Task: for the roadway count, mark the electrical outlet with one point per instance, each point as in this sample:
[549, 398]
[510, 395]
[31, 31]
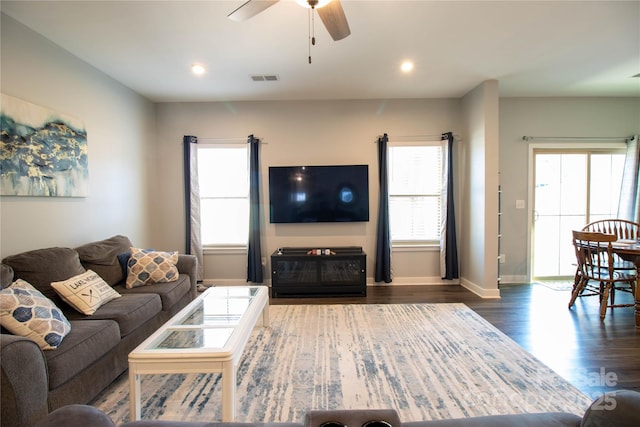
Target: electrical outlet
[264, 261]
[519, 204]
[503, 258]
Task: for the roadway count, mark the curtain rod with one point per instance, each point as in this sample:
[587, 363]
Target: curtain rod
[435, 137]
[237, 140]
[576, 138]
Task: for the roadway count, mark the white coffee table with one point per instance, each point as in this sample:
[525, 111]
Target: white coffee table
[208, 335]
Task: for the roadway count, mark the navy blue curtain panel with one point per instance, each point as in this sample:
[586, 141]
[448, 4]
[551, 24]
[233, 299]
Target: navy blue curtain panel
[254, 253]
[383, 234]
[451, 245]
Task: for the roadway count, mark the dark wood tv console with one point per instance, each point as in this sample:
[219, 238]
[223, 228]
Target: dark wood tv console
[298, 272]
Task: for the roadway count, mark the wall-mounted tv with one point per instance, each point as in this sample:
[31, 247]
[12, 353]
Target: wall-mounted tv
[301, 194]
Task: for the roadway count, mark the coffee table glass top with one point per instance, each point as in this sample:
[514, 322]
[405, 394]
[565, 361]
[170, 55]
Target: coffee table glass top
[207, 323]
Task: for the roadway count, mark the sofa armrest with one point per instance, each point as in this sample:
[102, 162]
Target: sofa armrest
[188, 264]
[77, 416]
[620, 408]
[24, 381]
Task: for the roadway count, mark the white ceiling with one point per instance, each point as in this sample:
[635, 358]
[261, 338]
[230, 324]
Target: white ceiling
[541, 48]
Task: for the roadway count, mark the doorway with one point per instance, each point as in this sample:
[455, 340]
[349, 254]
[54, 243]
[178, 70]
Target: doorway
[571, 187]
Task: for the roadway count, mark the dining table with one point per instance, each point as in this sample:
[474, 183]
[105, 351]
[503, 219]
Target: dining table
[629, 250]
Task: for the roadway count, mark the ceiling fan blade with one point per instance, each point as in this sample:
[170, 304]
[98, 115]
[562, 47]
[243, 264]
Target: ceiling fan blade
[249, 9]
[334, 20]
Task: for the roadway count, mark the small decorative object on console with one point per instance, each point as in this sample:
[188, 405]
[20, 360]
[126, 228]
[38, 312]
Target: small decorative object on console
[313, 252]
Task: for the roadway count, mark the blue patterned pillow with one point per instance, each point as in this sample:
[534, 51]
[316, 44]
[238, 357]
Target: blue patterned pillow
[146, 267]
[26, 312]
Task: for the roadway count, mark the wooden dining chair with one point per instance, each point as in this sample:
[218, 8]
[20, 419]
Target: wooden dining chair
[622, 229]
[594, 254]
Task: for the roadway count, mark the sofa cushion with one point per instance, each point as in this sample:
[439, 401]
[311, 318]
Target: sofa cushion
[148, 267]
[547, 419]
[129, 311]
[85, 292]
[170, 292]
[102, 257]
[6, 275]
[40, 267]
[26, 312]
[87, 342]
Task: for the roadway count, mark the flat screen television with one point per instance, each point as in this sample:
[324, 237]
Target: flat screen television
[302, 194]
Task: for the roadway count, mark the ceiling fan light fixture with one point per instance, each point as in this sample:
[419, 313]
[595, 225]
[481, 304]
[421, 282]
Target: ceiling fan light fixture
[318, 3]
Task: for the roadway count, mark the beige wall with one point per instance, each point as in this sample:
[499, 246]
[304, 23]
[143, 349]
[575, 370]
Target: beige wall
[546, 117]
[120, 128]
[303, 132]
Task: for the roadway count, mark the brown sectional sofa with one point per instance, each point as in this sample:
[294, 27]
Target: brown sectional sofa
[94, 353]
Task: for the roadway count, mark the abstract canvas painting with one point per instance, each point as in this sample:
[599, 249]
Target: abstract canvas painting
[42, 152]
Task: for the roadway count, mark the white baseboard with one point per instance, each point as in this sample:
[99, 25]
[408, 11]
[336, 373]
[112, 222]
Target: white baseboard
[407, 281]
[514, 279]
[479, 290]
[414, 281]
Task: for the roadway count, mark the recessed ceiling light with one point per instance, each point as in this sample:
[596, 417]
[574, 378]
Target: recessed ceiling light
[198, 69]
[406, 66]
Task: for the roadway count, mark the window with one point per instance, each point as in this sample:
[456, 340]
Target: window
[223, 177]
[415, 175]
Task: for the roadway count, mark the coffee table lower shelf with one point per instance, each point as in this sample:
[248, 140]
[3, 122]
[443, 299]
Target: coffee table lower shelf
[190, 366]
[148, 358]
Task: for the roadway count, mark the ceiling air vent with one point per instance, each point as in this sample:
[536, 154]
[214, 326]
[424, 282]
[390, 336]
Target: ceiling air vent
[264, 77]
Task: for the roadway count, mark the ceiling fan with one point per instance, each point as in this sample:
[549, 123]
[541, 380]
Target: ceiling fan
[331, 14]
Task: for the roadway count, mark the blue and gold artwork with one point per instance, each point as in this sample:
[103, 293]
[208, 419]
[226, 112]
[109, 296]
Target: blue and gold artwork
[43, 153]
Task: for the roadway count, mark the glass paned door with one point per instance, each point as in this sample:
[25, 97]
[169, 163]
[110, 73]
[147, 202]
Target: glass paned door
[559, 208]
[571, 189]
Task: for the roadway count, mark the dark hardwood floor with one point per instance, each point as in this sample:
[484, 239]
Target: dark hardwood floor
[594, 356]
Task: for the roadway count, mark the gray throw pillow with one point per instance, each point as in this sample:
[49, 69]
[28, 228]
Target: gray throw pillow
[40, 267]
[102, 257]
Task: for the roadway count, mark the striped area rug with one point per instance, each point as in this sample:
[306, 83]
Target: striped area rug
[427, 361]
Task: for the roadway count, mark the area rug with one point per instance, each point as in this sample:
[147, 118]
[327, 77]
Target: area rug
[427, 361]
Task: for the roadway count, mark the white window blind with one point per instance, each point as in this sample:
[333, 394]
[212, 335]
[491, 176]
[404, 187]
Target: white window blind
[415, 174]
[223, 176]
